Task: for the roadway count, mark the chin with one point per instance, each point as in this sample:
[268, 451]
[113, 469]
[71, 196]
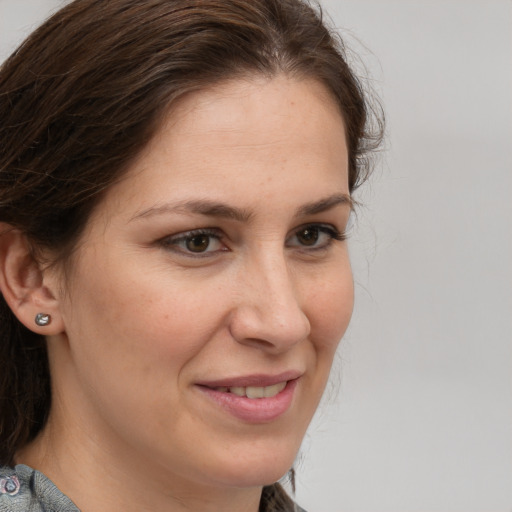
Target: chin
[255, 477]
[252, 470]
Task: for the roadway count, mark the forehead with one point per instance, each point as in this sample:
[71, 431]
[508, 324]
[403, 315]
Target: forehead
[256, 111]
[244, 137]
[255, 98]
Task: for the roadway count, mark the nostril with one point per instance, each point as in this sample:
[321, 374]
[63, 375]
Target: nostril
[269, 329]
[268, 312]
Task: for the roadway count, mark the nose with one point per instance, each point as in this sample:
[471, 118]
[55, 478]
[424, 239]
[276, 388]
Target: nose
[269, 313]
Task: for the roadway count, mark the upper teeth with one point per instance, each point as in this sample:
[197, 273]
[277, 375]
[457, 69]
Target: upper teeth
[254, 391]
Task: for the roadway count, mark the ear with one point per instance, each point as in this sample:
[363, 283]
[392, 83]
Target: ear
[26, 287]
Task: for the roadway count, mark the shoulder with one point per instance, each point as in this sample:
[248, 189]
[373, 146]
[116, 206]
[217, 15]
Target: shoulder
[23, 489]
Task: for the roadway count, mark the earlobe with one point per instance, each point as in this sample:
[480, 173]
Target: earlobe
[24, 284]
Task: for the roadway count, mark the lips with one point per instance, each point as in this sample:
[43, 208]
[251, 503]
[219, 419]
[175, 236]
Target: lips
[255, 398]
[256, 380]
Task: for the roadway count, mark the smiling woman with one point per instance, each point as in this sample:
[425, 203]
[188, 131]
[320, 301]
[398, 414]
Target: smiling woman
[176, 183]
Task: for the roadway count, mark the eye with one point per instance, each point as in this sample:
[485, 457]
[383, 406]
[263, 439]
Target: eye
[195, 243]
[308, 236]
[315, 236]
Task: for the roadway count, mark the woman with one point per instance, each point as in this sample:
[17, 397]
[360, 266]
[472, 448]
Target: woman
[176, 181]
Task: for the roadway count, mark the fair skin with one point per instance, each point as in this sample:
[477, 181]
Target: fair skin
[153, 325]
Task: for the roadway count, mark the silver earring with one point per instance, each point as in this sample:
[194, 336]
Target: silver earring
[42, 319]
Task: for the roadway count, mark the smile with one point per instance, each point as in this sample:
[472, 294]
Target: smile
[252, 403]
[254, 391]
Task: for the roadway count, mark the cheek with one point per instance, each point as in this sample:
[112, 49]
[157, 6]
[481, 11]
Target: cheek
[130, 322]
[132, 342]
[330, 309]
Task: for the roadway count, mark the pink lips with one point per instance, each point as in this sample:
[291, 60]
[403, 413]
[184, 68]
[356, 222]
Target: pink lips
[252, 410]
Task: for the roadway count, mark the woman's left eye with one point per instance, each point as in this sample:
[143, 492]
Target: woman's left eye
[195, 243]
[315, 236]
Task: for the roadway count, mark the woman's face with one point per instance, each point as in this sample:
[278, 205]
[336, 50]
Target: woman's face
[211, 287]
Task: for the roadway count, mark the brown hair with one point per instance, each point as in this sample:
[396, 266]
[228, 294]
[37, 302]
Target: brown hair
[85, 93]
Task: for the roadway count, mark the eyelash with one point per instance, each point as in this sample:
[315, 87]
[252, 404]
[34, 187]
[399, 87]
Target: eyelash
[172, 242]
[331, 231]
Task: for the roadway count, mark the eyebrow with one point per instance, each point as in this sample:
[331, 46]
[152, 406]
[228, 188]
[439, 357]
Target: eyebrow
[210, 208]
[199, 206]
[325, 204]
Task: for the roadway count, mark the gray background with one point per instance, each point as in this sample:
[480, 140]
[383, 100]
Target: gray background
[418, 417]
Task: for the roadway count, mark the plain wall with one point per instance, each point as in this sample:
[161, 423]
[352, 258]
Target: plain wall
[418, 416]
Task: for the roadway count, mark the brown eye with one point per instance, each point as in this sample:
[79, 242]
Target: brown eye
[198, 243]
[314, 237]
[308, 236]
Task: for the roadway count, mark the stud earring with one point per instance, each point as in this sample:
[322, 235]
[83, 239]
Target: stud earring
[42, 319]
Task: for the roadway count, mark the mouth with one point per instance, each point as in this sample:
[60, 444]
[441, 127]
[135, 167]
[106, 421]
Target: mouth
[253, 399]
[253, 392]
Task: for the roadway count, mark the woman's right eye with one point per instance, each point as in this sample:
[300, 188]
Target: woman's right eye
[195, 243]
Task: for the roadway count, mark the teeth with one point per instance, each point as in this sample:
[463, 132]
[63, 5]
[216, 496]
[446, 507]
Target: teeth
[237, 391]
[254, 391]
[274, 390]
